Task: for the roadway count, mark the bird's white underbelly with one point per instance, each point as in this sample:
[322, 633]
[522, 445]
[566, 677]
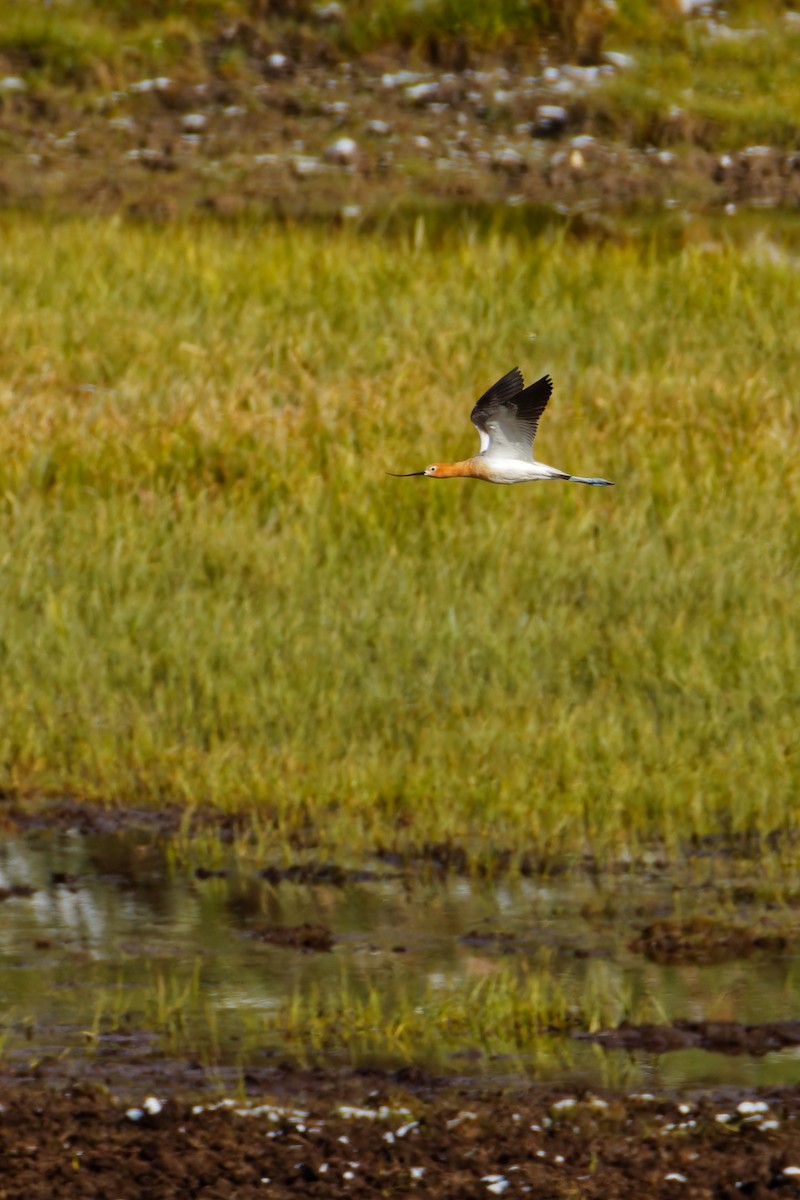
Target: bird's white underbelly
[514, 470]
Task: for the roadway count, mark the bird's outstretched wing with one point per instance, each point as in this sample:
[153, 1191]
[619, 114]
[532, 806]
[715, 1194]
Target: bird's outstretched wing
[507, 416]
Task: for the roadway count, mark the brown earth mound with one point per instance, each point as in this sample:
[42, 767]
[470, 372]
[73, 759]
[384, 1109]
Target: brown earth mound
[703, 940]
[722, 1037]
[299, 937]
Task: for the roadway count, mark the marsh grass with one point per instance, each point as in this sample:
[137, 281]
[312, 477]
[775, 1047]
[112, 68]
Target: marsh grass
[691, 87]
[526, 1010]
[213, 594]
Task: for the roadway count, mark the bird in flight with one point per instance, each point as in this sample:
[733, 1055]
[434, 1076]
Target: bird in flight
[506, 418]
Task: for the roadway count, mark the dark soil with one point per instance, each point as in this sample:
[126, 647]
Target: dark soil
[322, 873]
[723, 1037]
[368, 1134]
[298, 937]
[704, 940]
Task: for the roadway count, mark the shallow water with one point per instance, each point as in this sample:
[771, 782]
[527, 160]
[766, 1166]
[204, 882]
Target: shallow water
[112, 938]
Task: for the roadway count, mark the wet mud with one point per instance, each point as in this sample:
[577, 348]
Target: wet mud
[704, 940]
[721, 1037]
[369, 1134]
[311, 938]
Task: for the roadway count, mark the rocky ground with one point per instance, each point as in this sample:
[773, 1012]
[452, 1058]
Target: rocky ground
[355, 139]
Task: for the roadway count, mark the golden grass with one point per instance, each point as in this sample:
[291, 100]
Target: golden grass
[213, 594]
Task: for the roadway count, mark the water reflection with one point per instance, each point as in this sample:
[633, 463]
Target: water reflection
[111, 934]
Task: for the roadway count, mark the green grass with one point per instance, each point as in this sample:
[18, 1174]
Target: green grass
[212, 593]
[690, 87]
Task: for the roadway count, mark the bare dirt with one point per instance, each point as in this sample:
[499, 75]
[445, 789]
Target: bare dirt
[367, 1134]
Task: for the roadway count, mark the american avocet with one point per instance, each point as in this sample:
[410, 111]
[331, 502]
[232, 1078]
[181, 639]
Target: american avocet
[506, 418]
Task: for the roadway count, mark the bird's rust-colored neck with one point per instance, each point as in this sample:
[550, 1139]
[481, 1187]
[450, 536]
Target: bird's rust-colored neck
[467, 469]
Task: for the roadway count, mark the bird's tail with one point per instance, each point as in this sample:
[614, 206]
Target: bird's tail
[591, 482]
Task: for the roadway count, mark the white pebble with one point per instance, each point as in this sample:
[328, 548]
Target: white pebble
[550, 117]
[194, 121]
[790, 1171]
[152, 1106]
[305, 164]
[420, 93]
[674, 1177]
[622, 62]
[343, 151]
[329, 12]
[12, 83]
[509, 159]
[399, 79]
[151, 85]
[746, 1107]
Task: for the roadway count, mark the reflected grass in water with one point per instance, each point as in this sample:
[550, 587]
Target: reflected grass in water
[460, 978]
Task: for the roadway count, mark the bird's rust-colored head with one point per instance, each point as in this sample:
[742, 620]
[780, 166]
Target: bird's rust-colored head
[454, 470]
[439, 471]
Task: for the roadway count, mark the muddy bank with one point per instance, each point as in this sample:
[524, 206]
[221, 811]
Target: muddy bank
[355, 140]
[29, 814]
[721, 1037]
[369, 1135]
